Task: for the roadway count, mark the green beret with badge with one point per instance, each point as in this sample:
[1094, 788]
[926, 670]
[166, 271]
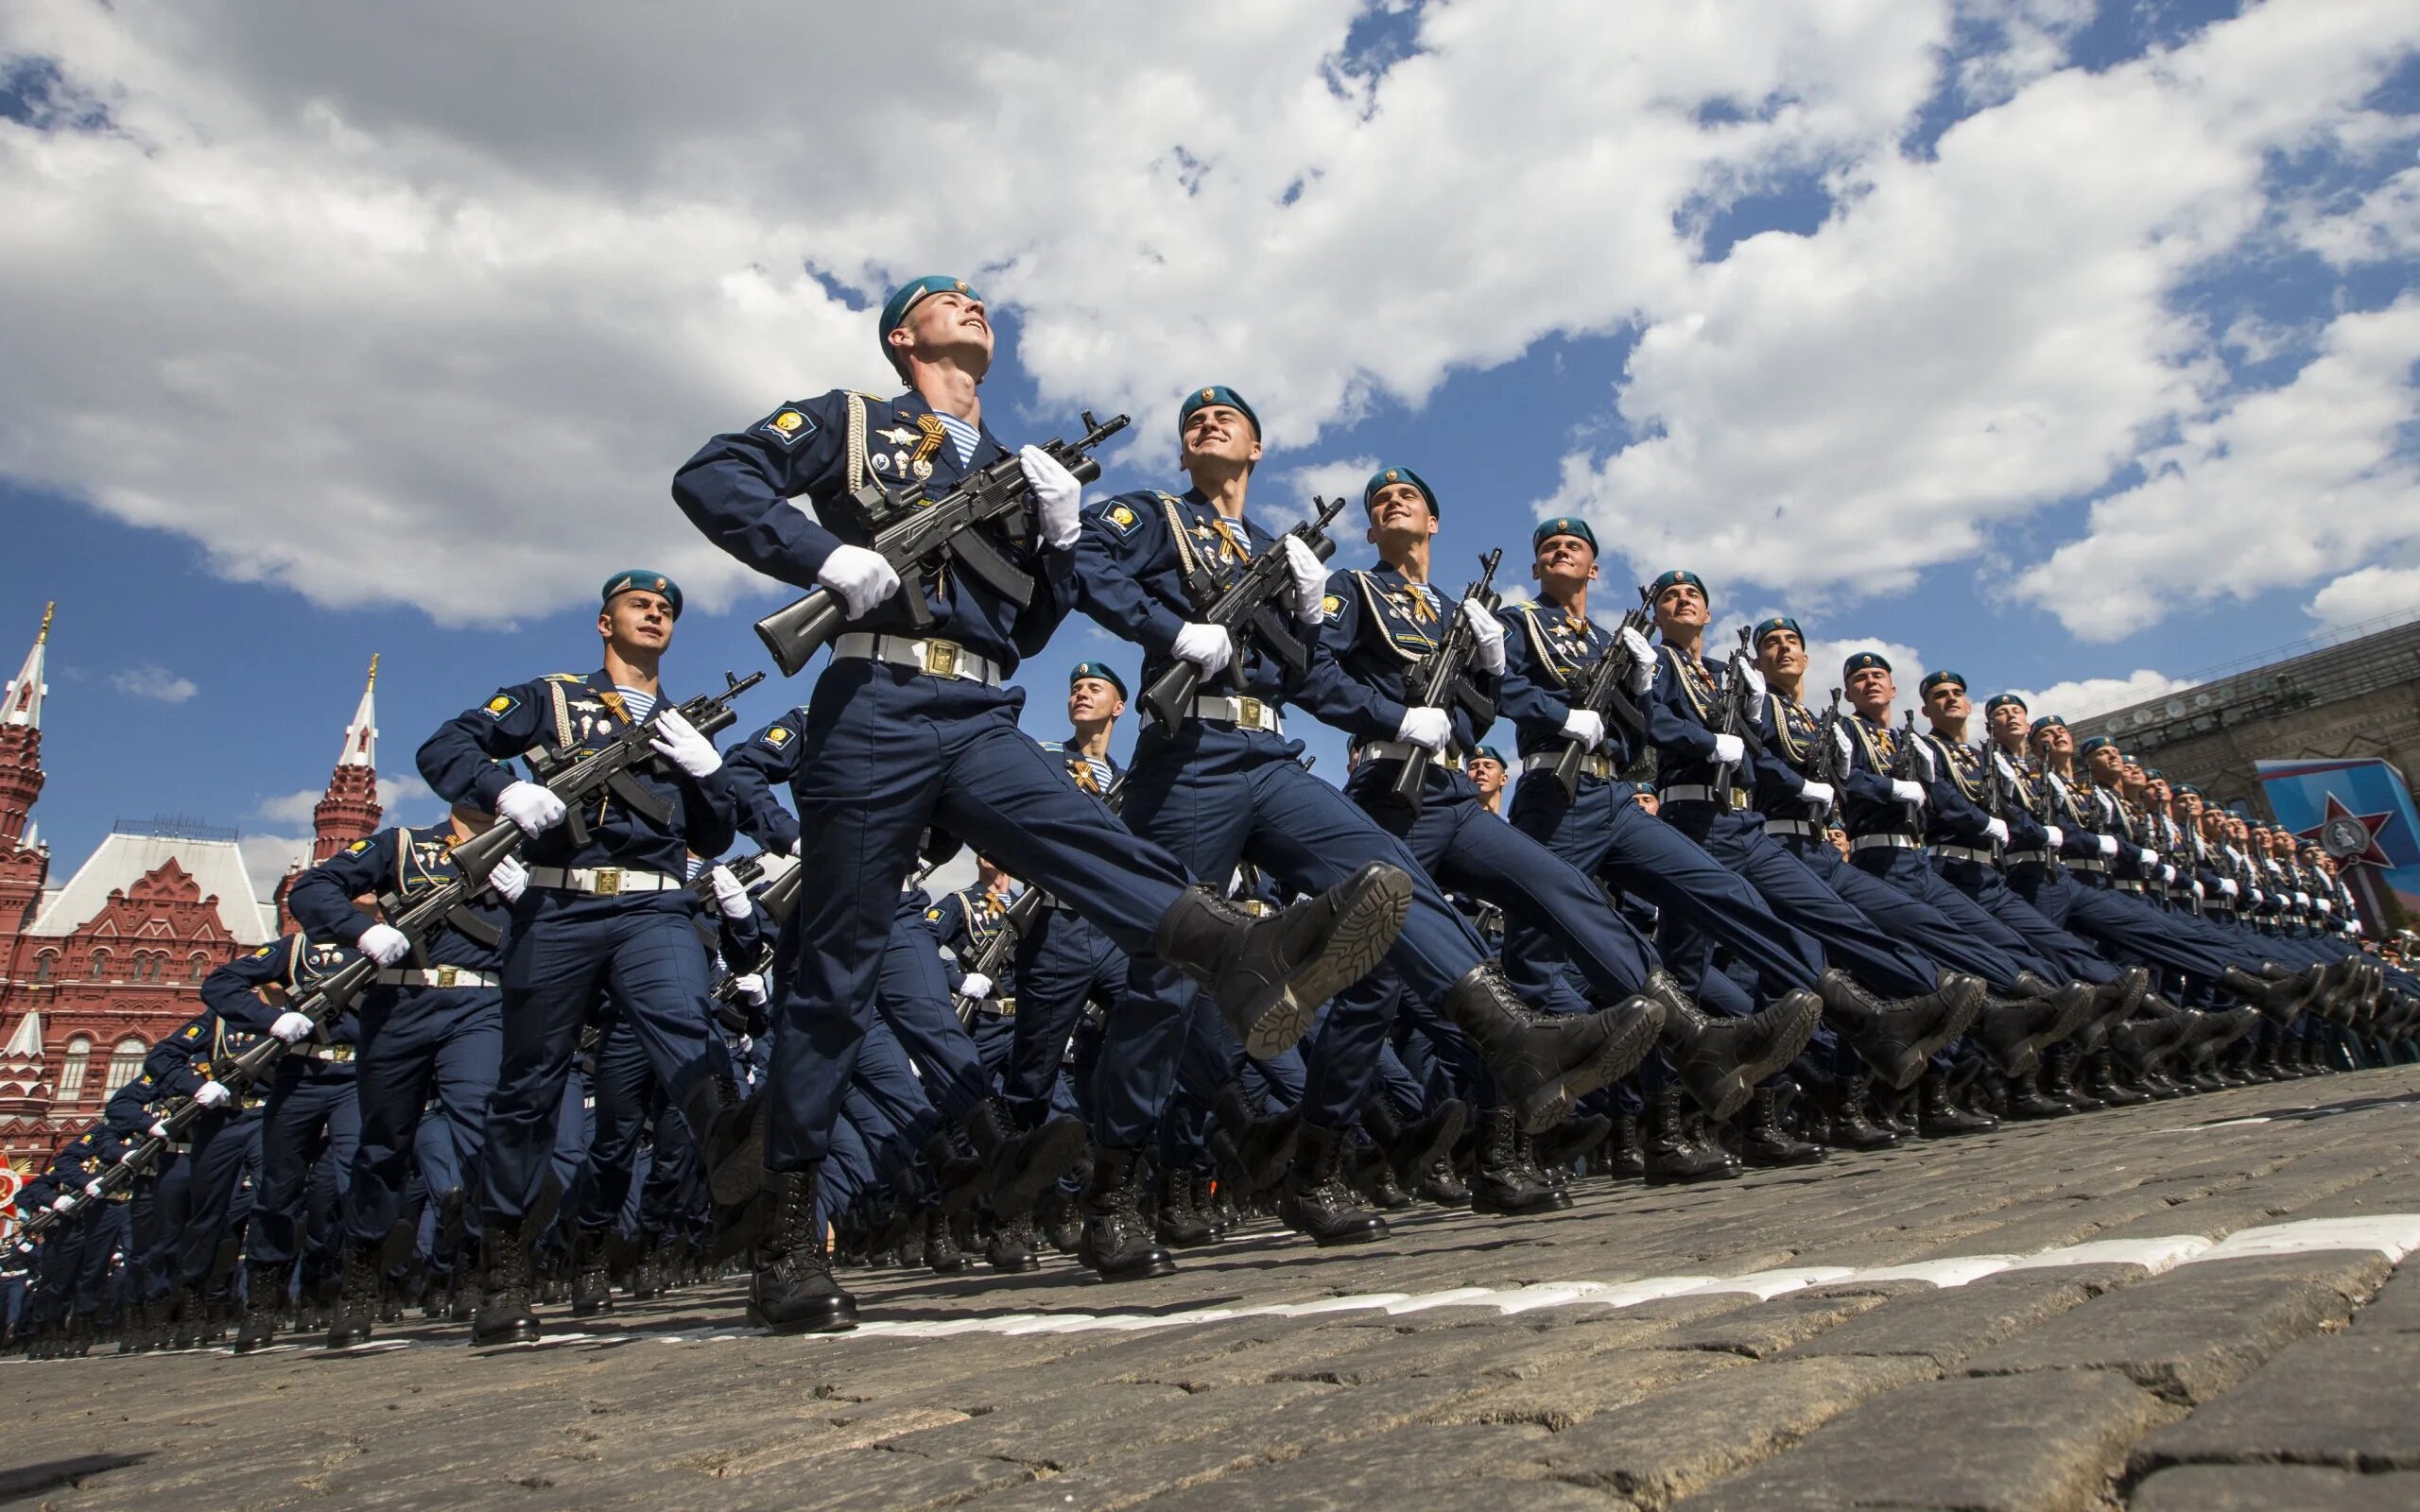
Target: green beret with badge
[642, 580]
[1386, 476]
[1563, 525]
[1216, 394]
[1096, 669]
[910, 294]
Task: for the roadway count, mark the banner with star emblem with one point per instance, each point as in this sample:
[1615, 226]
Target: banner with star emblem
[2360, 812]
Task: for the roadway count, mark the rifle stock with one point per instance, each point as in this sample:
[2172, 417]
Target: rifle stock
[1445, 667]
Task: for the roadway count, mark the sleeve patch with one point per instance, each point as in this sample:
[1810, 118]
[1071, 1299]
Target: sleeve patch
[787, 426]
[1122, 518]
[1331, 605]
[777, 737]
[358, 846]
[501, 705]
[932, 916]
[263, 950]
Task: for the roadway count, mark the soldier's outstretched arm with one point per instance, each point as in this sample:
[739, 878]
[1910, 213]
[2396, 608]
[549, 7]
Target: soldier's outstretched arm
[737, 488]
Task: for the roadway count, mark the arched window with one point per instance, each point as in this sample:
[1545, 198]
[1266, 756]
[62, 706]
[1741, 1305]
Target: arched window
[197, 967]
[100, 964]
[126, 1062]
[42, 965]
[71, 1071]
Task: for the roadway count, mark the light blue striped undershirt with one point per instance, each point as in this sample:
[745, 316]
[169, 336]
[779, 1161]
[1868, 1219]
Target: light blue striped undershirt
[966, 437]
[639, 704]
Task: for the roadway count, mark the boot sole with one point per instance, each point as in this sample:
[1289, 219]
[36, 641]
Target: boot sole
[1364, 931]
[836, 1319]
[1726, 1094]
[1140, 1273]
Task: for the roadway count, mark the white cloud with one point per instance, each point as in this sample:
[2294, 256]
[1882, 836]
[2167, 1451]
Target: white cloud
[406, 798]
[154, 682]
[2384, 225]
[290, 808]
[2372, 592]
[2083, 698]
[267, 858]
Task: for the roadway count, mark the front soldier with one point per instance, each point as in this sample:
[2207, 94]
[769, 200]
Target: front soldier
[611, 919]
[909, 730]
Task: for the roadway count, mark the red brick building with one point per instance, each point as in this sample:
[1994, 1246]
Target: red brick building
[94, 972]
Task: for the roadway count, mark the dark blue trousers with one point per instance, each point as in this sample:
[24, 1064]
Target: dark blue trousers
[891, 752]
[568, 953]
[1063, 963]
[226, 1148]
[2069, 957]
[417, 1043]
[1976, 944]
[627, 1097]
[1799, 898]
[311, 1111]
[913, 995]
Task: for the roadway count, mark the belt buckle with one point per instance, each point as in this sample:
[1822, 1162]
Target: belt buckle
[940, 658]
[608, 883]
[1248, 712]
[445, 975]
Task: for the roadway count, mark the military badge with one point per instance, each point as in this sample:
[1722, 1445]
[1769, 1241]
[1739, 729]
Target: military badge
[789, 426]
[1331, 605]
[501, 705]
[777, 737]
[1123, 519]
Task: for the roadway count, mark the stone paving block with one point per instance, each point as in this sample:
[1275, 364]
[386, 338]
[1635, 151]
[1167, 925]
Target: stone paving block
[1771, 1327]
[1600, 1383]
[1948, 1324]
[2396, 1306]
[2273, 1488]
[1068, 1428]
[1676, 1443]
[2036, 1443]
[2350, 1400]
[2186, 1336]
[1465, 1466]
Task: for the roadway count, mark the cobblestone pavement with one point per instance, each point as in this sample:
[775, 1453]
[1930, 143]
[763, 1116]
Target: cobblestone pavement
[2188, 1305]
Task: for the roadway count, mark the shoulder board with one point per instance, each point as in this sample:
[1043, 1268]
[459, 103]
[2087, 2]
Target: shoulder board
[565, 677]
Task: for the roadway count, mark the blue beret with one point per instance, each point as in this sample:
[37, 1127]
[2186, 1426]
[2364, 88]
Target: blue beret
[642, 579]
[1779, 622]
[2153, 774]
[1398, 474]
[1562, 524]
[1998, 700]
[1489, 753]
[1655, 589]
[1862, 661]
[1216, 394]
[1934, 680]
[895, 309]
[2047, 721]
[1096, 669]
[2096, 742]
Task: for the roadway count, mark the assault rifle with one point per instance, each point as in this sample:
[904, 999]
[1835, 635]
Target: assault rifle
[1906, 767]
[1440, 681]
[1605, 692]
[779, 900]
[1246, 610]
[920, 538]
[1734, 716]
[579, 780]
[1831, 765]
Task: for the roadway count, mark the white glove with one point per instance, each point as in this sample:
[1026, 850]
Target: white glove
[729, 895]
[1998, 830]
[1819, 794]
[976, 986]
[2326, 908]
[862, 578]
[1585, 726]
[1754, 678]
[2008, 773]
[1057, 498]
[384, 943]
[2259, 897]
[751, 987]
[126, 1157]
[1490, 633]
[212, 1095]
[509, 879]
[159, 1130]
[1923, 750]
[2147, 858]
[1644, 662]
[291, 1027]
[1907, 792]
[2197, 887]
[2054, 839]
[2302, 900]
[62, 1202]
[1302, 564]
[2167, 873]
[535, 809]
[1207, 646]
[677, 741]
[1426, 728]
[2227, 887]
[2108, 846]
[1728, 749]
[1841, 738]
[93, 1187]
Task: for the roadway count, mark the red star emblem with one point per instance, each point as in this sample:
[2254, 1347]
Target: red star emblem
[2351, 838]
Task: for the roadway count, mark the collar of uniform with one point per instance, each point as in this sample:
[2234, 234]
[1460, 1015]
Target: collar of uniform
[986, 445]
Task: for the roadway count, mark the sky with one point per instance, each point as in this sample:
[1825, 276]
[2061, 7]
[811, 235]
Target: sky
[2068, 345]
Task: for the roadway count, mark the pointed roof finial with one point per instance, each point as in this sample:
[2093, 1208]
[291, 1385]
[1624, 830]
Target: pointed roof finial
[361, 736]
[22, 703]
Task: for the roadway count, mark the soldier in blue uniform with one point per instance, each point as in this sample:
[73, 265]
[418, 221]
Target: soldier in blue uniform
[1227, 786]
[223, 1148]
[967, 923]
[311, 1109]
[432, 1026]
[158, 1209]
[909, 727]
[611, 917]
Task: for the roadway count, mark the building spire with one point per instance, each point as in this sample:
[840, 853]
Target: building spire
[361, 736]
[21, 704]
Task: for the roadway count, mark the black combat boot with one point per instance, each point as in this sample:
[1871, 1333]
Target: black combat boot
[263, 1294]
[1721, 1057]
[1848, 1128]
[1269, 974]
[1897, 1039]
[2022, 1100]
[2276, 992]
[1015, 1246]
[1315, 1202]
[792, 1291]
[1576, 1138]
[1118, 1245]
[504, 1316]
[591, 1285]
[1440, 1182]
[1544, 1063]
[1063, 1222]
[730, 1135]
[1019, 1167]
[1408, 1149]
[1939, 1116]
[2061, 1069]
[1676, 1155]
[357, 1298]
[2100, 1079]
[1764, 1140]
[2012, 1030]
[938, 1244]
[2114, 1003]
[1504, 1181]
[1252, 1149]
[1179, 1223]
[1624, 1159]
